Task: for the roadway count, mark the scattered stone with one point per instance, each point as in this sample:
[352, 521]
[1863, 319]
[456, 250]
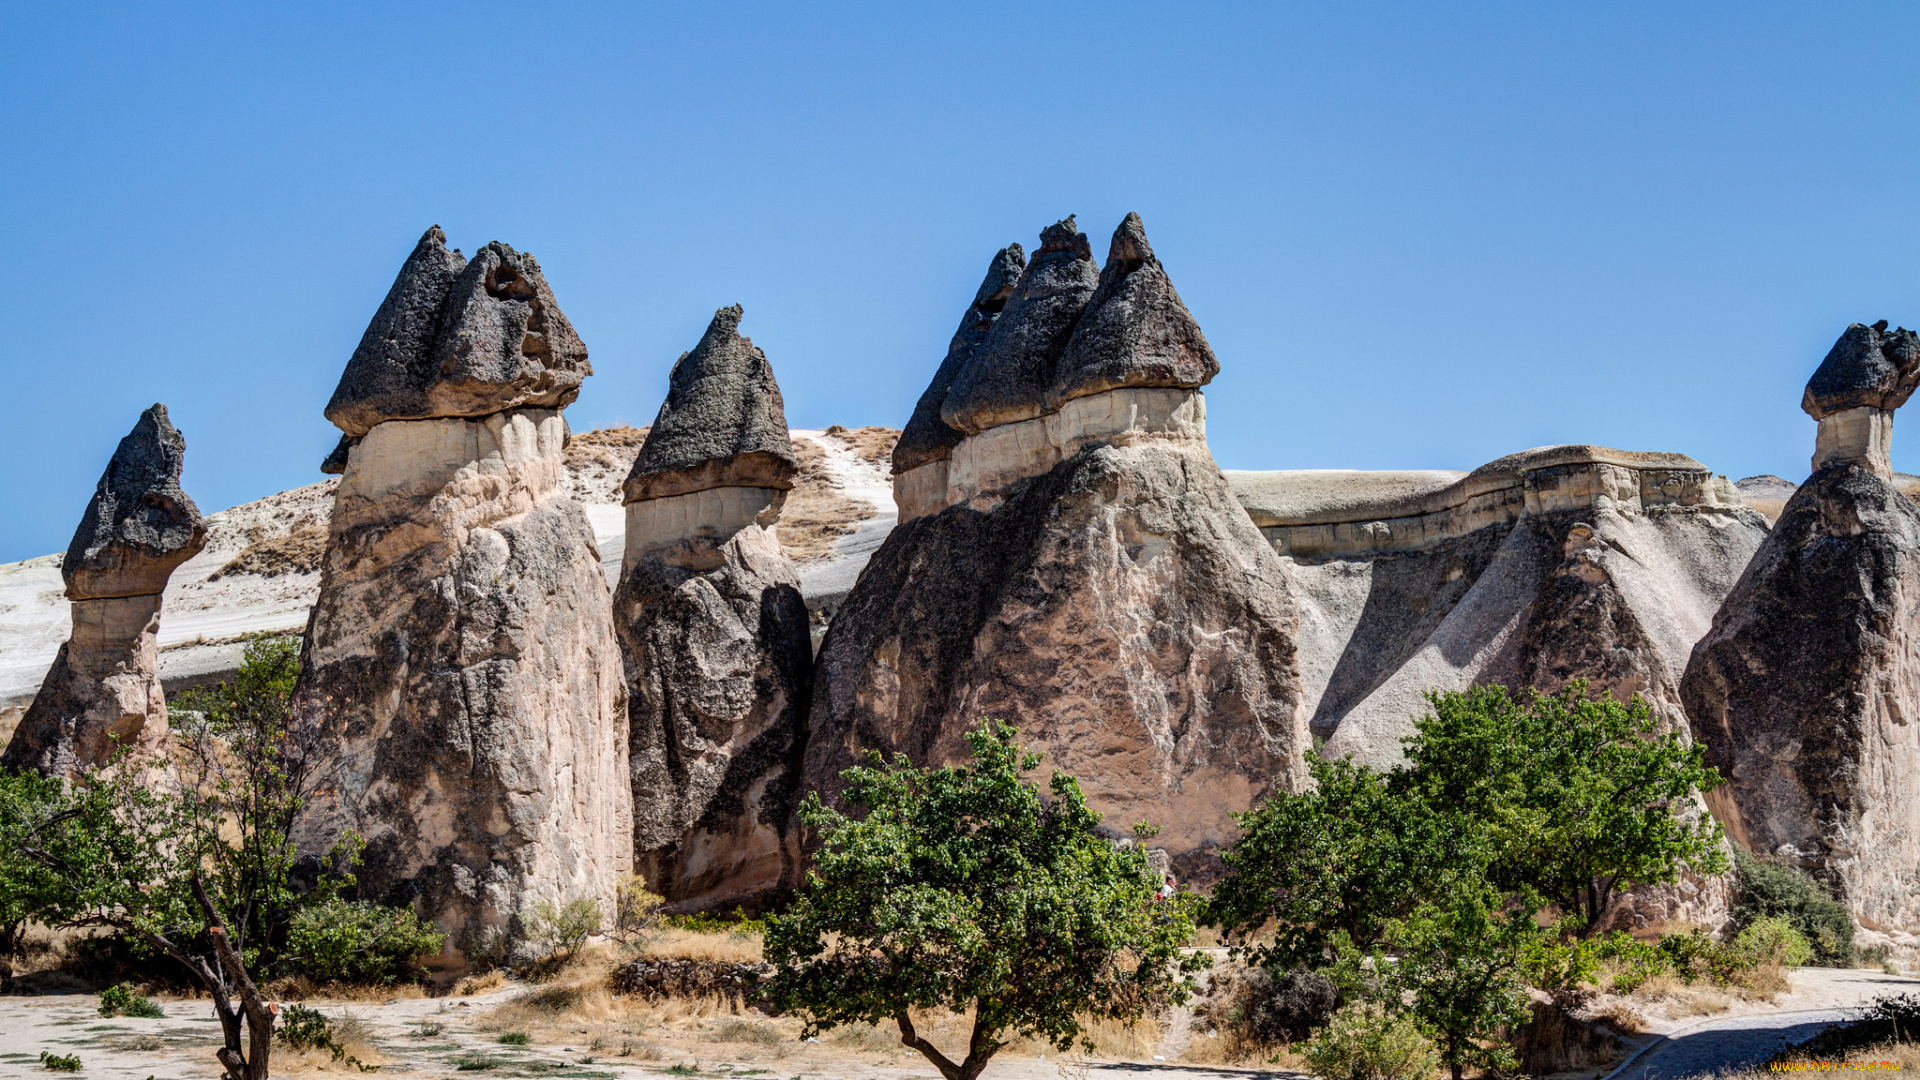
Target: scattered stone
[103, 687]
[655, 978]
[714, 633]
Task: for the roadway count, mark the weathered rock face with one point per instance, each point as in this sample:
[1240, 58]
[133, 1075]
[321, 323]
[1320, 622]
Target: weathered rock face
[1868, 373]
[462, 635]
[1807, 688]
[1562, 563]
[1086, 575]
[723, 423]
[927, 437]
[103, 687]
[714, 633]
[455, 338]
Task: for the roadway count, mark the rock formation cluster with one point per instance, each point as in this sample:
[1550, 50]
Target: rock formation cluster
[463, 634]
[714, 632]
[1086, 572]
[1806, 689]
[103, 691]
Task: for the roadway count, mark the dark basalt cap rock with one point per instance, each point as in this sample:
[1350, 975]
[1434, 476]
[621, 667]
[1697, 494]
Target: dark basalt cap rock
[723, 423]
[927, 437]
[140, 525]
[1868, 366]
[1135, 331]
[458, 338]
[1010, 376]
[336, 461]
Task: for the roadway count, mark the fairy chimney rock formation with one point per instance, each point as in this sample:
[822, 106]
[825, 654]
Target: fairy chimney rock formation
[1867, 374]
[103, 688]
[714, 632]
[1086, 574]
[926, 444]
[460, 339]
[463, 635]
[1806, 690]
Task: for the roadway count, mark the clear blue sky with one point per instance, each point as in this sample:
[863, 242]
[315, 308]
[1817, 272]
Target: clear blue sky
[1418, 235]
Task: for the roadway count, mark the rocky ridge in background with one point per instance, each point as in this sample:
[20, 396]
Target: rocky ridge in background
[104, 689]
[1805, 689]
[1086, 575]
[463, 632]
[714, 633]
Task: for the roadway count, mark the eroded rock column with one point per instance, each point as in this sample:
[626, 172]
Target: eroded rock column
[1807, 688]
[463, 634]
[102, 691]
[1090, 577]
[714, 632]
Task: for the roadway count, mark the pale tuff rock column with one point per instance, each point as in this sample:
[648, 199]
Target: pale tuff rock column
[463, 634]
[103, 688]
[714, 633]
[1868, 374]
[1807, 689]
[926, 444]
[1090, 577]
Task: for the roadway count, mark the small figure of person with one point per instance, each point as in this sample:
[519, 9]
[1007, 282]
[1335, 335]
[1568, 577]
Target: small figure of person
[1167, 890]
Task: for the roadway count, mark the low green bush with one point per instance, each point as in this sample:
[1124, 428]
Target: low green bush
[359, 942]
[120, 1001]
[1288, 1006]
[560, 931]
[1772, 940]
[308, 1029]
[513, 1038]
[1365, 1042]
[59, 1062]
[1766, 888]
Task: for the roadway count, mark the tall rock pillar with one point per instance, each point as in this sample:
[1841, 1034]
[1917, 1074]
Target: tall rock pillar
[463, 634]
[1086, 574]
[103, 689]
[714, 632]
[1806, 691]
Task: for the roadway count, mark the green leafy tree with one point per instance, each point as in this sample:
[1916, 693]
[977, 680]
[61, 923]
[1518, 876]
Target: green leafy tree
[1460, 965]
[963, 888]
[29, 892]
[338, 940]
[1579, 797]
[1338, 862]
[194, 856]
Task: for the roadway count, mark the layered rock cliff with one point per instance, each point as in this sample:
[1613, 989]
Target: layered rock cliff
[463, 634]
[714, 633]
[1807, 688]
[1086, 573]
[103, 691]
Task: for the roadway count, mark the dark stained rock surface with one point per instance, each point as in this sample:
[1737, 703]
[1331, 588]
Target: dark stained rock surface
[723, 423]
[1807, 689]
[455, 338]
[1868, 366]
[336, 461]
[1011, 376]
[1135, 331]
[719, 669]
[140, 525]
[1121, 609]
[927, 437]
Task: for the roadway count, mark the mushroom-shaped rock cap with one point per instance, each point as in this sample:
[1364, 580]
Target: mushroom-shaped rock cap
[1010, 377]
[140, 525]
[1868, 366]
[723, 423]
[1135, 331]
[927, 437]
[457, 338]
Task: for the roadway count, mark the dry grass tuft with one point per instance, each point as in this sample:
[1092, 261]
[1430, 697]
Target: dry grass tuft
[1620, 1015]
[703, 945]
[873, 445]
[297, 552]
[485, 983]
[301, 988]
[354, 1035]
[1901, 1056]
[816, 514]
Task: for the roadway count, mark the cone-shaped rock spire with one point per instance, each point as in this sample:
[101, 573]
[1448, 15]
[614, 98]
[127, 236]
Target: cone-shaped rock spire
[140, 525]
[1011, 375]
[455, 338]
[1135, 331]
[927, 437]
[1868, 366]
[723, 423]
